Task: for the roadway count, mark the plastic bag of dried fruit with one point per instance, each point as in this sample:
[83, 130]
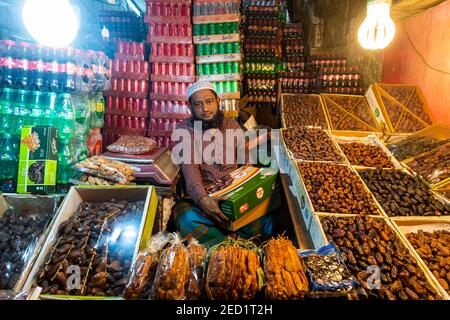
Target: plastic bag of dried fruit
[107, 169]
[197, 254]
[132, 145]
[172, 273]
[234, 271]
[327, 271]
[143, 271]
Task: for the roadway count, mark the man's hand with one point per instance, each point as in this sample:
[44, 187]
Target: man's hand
[211, 209]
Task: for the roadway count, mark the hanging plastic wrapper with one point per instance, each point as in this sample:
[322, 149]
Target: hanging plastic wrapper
[144, 268]
[326, 270]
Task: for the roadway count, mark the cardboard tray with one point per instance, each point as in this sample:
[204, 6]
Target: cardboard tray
[319, 240]
[77, 195]
[283, 97]
[427, 224]
[375, 96]
[328, 101]
[291, 156]
[370, 139]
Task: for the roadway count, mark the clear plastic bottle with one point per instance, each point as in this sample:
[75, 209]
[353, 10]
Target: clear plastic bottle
[66, 117]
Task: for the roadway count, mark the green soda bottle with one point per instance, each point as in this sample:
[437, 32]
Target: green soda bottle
[8, 163]
[7, 118]
[50, 116]
[97, 110]
[22, 111]
[66, 117]
[37, 108]
[65, 166]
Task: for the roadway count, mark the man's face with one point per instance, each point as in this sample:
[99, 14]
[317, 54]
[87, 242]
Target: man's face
[204, 104]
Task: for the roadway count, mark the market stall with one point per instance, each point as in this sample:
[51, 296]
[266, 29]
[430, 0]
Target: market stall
[352, 203]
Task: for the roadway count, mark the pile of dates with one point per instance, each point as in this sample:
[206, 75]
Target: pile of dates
[311, 144]
[219, 184]
[303, 110]
[401, 195]
[20, 229]
[414, 146]
[434, 249]
[435, 166]
[369, 245]
[366, 155]
[336, 189]
[99, 241]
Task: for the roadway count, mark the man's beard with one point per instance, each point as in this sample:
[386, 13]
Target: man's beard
[212, 123]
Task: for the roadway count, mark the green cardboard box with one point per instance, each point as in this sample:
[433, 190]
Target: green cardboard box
[37, 160]
[250, 194]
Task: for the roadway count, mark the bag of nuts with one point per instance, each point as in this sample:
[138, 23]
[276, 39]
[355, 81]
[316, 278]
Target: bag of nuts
[144, 267]
[172, 273]
[107, 169]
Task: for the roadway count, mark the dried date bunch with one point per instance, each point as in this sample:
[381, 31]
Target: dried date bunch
[401, 195]
[284, 271]
[234, 271]
[303, 111]
[366, 155]
[434, 249]
[336, 189]
[311, 144]
[219, 184]
[173, 272]
[434, 166]
[370, 242]
[197, 254]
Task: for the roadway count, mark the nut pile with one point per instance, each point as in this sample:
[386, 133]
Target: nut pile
[303, 110]
[414, 146]
[20, 228]
[336, 189]
[284, 271]
[435, 166]
[311, 144]
[366, 155]
[401, 195]
[233, 271]
[367, 241]
[93, 239]
[434, 249]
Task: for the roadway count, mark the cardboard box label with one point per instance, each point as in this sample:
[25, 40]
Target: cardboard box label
[37, 160]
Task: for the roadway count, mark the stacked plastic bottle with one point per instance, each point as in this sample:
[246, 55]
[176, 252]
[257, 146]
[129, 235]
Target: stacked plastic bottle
[172, 66]
[47, 86]
[122, 26]
[218, 54]
[293, 79]
[127, 106]
[262, 51]
[332, 74]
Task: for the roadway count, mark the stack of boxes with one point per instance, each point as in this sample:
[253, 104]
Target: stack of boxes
[295, 79]
[122, 26]
[218, 56]
[262, 51]
[172, 66]
[126, 104]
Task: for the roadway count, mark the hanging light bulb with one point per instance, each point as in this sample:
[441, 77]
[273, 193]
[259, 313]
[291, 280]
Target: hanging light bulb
[52, 23]
[378, 29]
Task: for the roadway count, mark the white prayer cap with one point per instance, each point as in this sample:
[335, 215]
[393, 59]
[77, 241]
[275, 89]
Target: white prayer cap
[200, 85]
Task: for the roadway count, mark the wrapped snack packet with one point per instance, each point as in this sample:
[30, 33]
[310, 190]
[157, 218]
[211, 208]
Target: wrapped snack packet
[197, 254]
[107, 169]
[143, 270]
[132, 145]
[172, 273]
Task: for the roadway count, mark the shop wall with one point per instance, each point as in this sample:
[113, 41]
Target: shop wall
[429, 33]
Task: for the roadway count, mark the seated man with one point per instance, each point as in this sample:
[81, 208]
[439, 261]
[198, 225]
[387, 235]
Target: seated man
[200, 215]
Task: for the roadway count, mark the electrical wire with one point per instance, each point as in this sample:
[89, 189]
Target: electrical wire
[420, 54]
